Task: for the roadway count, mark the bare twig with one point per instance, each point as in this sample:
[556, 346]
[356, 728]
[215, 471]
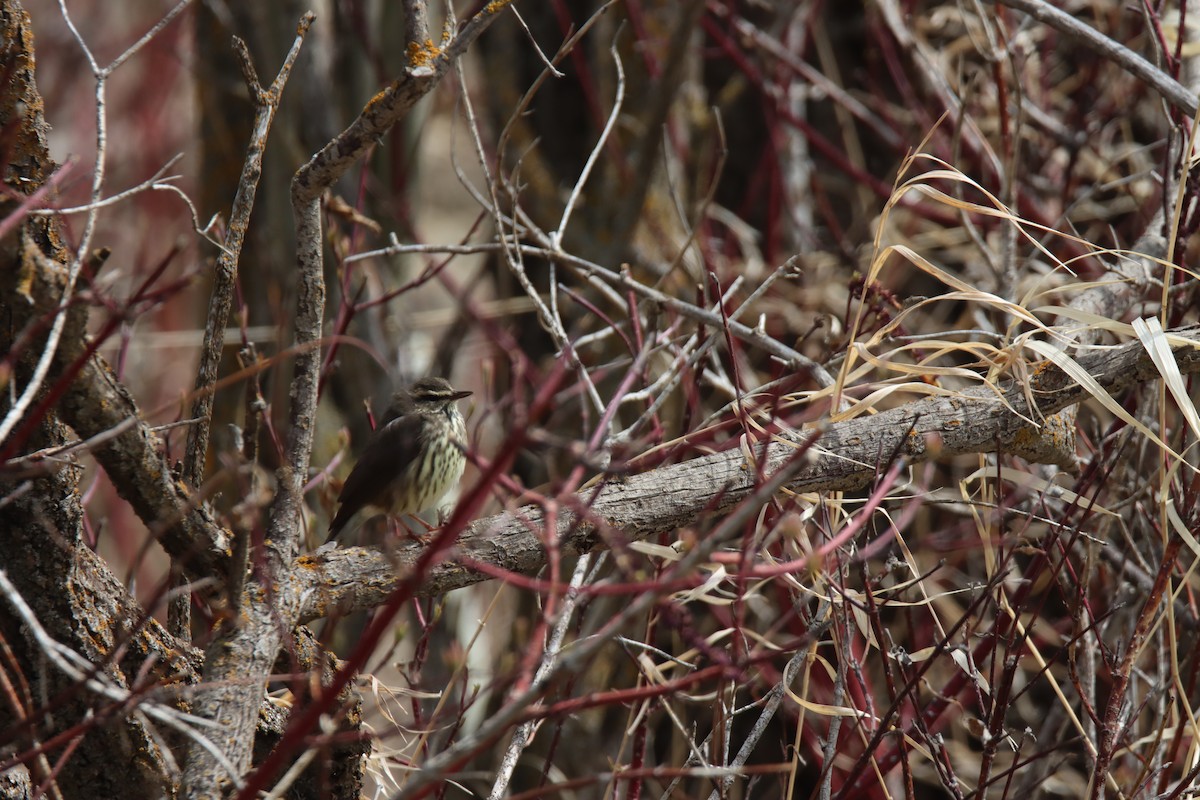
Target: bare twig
[267, 102]
[1119, 54]
[790, 357]
[101, 74]
[520, 737]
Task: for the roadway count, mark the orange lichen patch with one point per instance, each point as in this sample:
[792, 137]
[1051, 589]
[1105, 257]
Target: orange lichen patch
[379, 97]
[423, 54]
[496, 6]
[1027, 437]
[1052, 443]
[308, 561]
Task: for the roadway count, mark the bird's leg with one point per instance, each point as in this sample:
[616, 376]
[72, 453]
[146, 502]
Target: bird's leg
[397, 528]
[400, 530]
[423, 538]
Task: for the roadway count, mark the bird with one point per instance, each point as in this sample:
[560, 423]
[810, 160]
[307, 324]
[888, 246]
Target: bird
[413, 459]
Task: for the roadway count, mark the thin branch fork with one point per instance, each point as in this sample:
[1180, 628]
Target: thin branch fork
[267, 103]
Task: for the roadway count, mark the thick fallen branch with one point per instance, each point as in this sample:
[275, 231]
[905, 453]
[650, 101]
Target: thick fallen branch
[665, 499]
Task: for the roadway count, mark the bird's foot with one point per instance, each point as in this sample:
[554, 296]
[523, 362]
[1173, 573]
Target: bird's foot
[401, 530]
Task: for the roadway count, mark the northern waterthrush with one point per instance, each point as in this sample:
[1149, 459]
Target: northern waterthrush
[414, 458]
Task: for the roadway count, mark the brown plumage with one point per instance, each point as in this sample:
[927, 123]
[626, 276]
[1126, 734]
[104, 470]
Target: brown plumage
[413, 459]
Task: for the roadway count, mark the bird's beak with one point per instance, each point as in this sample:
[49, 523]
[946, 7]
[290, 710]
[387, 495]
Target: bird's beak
[460, 395]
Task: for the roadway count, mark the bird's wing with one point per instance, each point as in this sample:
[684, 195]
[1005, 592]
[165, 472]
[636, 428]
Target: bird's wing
[388, 453]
